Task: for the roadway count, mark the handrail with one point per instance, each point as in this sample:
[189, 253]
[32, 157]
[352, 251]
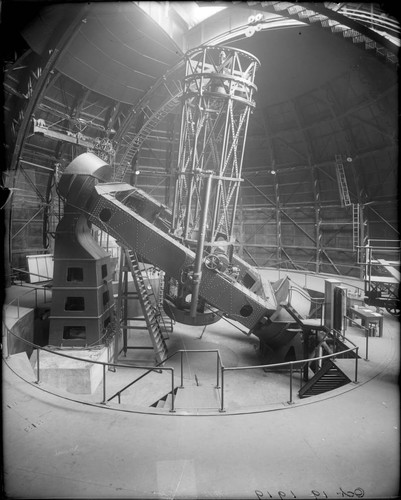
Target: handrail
[103, 363]
[47, 278]
[159, 314]
[142, 376]
[366, 336]
[319, 302]
[371, 240]
[311, 274]
[221, 369]
[17, 299]
[182, 351]
[339, 334]
[118, 393]
[312, 300]
[291, 365]
[301, 291]
[220, 366]
[307, 272]
[288, 363]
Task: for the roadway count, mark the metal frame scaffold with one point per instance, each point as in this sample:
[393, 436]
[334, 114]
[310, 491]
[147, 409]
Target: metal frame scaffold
[382, 274]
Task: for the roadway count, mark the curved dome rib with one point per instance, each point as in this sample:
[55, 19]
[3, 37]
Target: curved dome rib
[319, 16]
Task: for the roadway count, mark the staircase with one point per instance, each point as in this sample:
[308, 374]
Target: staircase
[192, 399]
[329, 377]
[151, 314]
[341, 346]
[165, 401]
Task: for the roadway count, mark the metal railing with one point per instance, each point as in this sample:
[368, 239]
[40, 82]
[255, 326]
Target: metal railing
[110, 366]
[308, 279]
[41, 348]
[30, 273]
[181, 352]
[367, 330]
[104, 364]
[220, 368]
[16, 302]
[289, 364]
[315, 301]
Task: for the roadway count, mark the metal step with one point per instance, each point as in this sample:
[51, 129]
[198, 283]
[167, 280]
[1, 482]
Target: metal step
[329, 377]
[165, 401]
[148, 309]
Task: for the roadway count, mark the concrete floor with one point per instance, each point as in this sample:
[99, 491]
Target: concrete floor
[341, 444]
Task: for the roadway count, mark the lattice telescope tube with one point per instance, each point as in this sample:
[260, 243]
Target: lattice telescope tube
[218, 99]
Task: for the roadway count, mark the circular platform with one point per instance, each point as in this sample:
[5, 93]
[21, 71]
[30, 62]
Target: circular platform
[245, 391]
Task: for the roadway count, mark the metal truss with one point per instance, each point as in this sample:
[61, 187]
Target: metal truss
[218, 98]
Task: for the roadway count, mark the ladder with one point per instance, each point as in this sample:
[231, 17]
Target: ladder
[342, 182]
[355, 227]
[149, 310]
[168, 323]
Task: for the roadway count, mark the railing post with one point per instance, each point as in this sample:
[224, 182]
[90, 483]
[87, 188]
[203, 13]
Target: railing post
[217, 371]
[172, 410]
[356, 365]
[222, 390]
[182, 372]
[104, 385]
[8, 342]
[290, 401]
[367, 345]
[37, 367]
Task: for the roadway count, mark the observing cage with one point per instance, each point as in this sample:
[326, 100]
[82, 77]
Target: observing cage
[217, 101]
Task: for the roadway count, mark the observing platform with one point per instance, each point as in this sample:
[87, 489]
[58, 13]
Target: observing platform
[254, 449]
[269, 390]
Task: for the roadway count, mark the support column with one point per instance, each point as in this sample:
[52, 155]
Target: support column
[197, 273]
